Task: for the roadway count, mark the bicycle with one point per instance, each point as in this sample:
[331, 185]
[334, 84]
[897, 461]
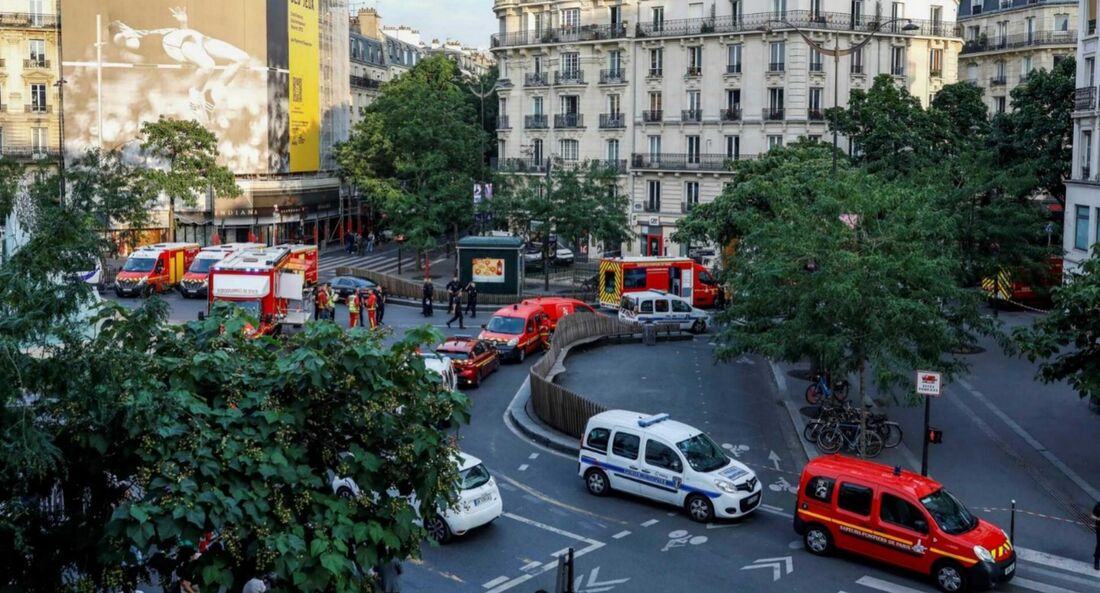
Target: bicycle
[820, 389]
[851, 436]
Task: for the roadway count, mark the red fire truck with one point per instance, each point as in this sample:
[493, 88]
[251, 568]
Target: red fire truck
[194, 284]
[680, 276]
[268, 282]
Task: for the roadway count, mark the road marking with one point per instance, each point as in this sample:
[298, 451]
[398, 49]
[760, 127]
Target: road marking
[887, 586]
[671, 513]
[557, 503]
[551, 529]
[1037, 586]
[560, 553]
[1066, 564]
[621, 534]
[529, 566]
[769, 509]
[594, 584]
[533, 456]
[495, 582]
[546, 567]
[774, 458]
[776, 564]
[681, 537]
[721, 525]
[650, 522]
[1065, 577]
[523, 467]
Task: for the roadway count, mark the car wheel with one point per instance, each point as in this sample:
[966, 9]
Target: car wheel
[438, 530]
[950, 577]
[596, 482]
[345, 493]
[699, 508]
[817, 540]
[477, 379]
[699, 326]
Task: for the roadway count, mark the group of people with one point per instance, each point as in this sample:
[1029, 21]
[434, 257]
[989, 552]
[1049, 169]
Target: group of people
[357, 244]
[456, 292]
[366, 306]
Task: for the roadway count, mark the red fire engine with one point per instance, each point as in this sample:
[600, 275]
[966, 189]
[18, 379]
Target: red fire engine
[264, 281]
[680, 276]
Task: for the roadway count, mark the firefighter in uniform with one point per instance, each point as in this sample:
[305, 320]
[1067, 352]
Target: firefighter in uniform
[353, 310]
[372, 309]
[544, 333]
[320, 302]
[330, 313]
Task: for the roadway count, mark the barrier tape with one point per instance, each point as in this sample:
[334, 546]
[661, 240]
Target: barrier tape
[1090, 526]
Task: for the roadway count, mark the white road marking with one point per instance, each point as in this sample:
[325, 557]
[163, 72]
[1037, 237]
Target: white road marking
[671, 513]
[650, 522]
[767, 509]
[530, 565]
[887, 586]
[560, 553]
[1094, 583]
[771, 507]
[495, 582]
[551, 529]
[533, 456]
[1037, 586]
[620, 535]
[523, 467]
[1066, 564]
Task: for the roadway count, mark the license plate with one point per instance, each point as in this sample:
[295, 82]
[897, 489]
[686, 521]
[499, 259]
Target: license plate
[752, 499]
[484, 498]
[1011, 568]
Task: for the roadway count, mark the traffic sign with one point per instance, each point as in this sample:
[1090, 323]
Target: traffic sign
[928, 383]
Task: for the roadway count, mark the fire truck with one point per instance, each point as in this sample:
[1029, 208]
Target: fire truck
[681, 276]
[194, 284]
[154, 268]
[303, 258]
[268, 282]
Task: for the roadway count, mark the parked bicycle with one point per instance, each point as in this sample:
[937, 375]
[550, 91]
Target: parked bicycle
[822, 388]
[850, 436]
[830, 416]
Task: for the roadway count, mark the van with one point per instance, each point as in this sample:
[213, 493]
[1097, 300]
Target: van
[659, 458]
[558, 307]
[517, 330]
[900, 518]
[657, 306]
[154, 268]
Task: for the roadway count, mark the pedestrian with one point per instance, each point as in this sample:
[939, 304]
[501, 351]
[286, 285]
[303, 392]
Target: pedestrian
[390, 576]
[370, 242]
[457, 311]
[187, 569]
[320, 303]
[257, 585]
[330, 312]
[372, 309]
[362, 293]
[381, 292]
[471, 299]
[1096, 526]
[347, 243]
[720, 298]
[353, 310]
[426, 298]
[360, 244]
[453, 288]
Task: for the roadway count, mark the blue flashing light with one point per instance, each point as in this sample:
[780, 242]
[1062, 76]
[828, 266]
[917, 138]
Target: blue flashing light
[651, 420]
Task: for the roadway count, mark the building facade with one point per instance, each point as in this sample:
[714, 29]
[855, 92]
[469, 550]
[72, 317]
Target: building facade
[1081, 230]
[1004, 41]
[670, 92]
[29, 73]
[378, 54]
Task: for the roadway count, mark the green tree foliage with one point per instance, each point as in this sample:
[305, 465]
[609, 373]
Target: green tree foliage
[109, 191]
[486, 103]
[186, 157]
[1067, 339]
[10, 175]
[882, 298]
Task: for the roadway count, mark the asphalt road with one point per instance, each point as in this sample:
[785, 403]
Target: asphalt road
[629, 544]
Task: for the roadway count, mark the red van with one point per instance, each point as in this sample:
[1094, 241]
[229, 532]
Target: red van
[517, 330]
[558, 307]
[900, 518]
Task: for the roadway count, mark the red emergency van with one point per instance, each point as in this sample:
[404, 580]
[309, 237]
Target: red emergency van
[901, 518]
[681, 276]
[558, 307]
[517, 330]
[194, 284]
[154, 268]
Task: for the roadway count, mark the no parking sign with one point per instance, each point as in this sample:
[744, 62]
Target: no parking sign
[928, 383]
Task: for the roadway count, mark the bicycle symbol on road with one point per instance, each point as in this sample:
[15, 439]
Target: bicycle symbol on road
[681, 538]
[736, 450]
[781, 485]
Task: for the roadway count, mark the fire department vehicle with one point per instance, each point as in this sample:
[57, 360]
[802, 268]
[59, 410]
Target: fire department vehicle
[154, 268]
[517, 330]
[267, 283]
[558, 307]
[681, 276]
[194, 281]
[303, 258]
[1014, 287]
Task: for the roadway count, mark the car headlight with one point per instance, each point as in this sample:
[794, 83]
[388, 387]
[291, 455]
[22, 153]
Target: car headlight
[725, 486]
[513, 342]
[983, 554]
[141, 281]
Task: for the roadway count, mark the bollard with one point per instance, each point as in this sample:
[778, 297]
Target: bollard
[1012, 525]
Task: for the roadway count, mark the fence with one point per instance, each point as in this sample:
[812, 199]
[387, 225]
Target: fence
[408, 289]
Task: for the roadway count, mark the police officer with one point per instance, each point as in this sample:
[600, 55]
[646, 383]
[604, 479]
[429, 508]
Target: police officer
[426, 308]
[381, 293]
[453, 290]
[471, 299]
[457, 310]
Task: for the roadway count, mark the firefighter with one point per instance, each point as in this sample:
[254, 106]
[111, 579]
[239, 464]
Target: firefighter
[353, 310]
[330, 312]
[363, 294]
[544, 333]
[372, 309]
[320, 302]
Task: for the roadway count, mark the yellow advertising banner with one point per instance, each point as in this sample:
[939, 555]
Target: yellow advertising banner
[305, 87]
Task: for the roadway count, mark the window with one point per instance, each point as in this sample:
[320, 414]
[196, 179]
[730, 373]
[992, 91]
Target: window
[973, 33]
[733, 147]
[635, 278]
[778, 55]
[936, 16]
[733, 98]
[815, 100]
[36, 12]
[612, 151]
[820, 488]
[695, 60]
[897, 61]
[538, 64]
[1090, 67]
[1002, 33]
[691, 194]
[658, 15]
[616, 16]
[854, 499]
[38, 140]
[815, 11]
[655, 101]
[899, 512]
[1061, 23]
[1081, 229]
[500, 148]
[614, 104]
[897, 11]
[653, 191]
[1000, 104]
[733, 60]
[1025, 67]
[972, 73]
[775, 142]
[737, 10]
[681, 306]
[38, 97]
[570, 104]
[571, 18]
[536, 105]
[695, 100]
[662, 456]
[935, 62]
[1029, 29]
[615, 62]
[646, 306]
[815, 60]
[655, 147]
[626, 445]
[775, 99]
[660, 306]
[999, 70]
[570, 64]
[857, 12]
[536, 151]
[1, 140]
[779, 8]
[36, 49]
[692, 149]
[656, 61]
[857, 61]
[570, 149]
[598, 437]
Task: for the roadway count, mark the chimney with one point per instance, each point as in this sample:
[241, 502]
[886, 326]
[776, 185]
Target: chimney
[369, 23]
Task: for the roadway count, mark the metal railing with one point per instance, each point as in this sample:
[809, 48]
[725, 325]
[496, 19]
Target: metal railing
[817, 67]
[27, 20]
[35, 63]
[656, 72]
[691, 115]
[815, 115]
[31, 108]
[772, 113]
[569, 120]
[733, 68]
[856, 69]
[686, 207]
[653, 116]
[935, 73]
[564, 77]
[680, 162]
[364, 82]
[651, 206]
[612, 120]
[1036, 38]
[731, 113]
[615, 76]
[502, 123]
[536, 79]
[776, 66]
[998, 81]
[518, 165]
[1084, 99]
[897, 71]
[535, 122]
[803, 19]
[560, 35]
[28, 152]
[694, 71]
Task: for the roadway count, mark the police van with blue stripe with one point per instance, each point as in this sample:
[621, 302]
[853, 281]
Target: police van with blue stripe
[658, 306]
[668, 461]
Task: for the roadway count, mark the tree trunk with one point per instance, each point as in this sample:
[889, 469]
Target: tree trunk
[171, 220]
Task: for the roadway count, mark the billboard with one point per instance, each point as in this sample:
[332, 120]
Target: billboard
[305, 85]
[226, 65]
[488, 270]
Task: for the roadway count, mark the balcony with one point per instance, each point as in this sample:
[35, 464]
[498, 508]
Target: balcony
[615, 165]
[817, 67]
[651, 206]
[694, 71]
[1012, 42]
[520, 165]
[1084, 99]
[653, 116]
[36, 64]
[776, 67]
[27, 152]
[613, 76]
[691, 115]
[27, 20]
[569, 120]
[897, 71]
[504, 83]
[998, 80]
[573, 34]
[803, 19]
[681, 162]
[772, 114]
[363, 82]
[731, 113]
[815, 115]
[656, 72]
[733, 68]
[857, 69]
[1024, 78]
[38, 108]
[502, 123]
[535, 79]
[535, 122]
[935, 73]
[568, 77]
[612, 121]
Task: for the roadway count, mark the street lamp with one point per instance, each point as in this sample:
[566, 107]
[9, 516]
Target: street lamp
[836, 52]
[275, 227]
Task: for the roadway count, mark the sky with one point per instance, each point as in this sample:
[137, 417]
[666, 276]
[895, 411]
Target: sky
[469, 21]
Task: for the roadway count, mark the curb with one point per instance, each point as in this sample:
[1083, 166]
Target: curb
[796, 417]
[516, 415]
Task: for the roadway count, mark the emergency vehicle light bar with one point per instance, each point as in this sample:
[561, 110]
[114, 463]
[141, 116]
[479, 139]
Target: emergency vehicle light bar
[651, 420]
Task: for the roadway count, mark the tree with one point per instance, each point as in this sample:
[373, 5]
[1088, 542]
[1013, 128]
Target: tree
[854, 271]
[484, 100]
[186, 157]
[1067, 339]
[109, 191]
[10, 175]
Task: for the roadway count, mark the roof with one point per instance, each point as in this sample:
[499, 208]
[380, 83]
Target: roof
[254, 258]
[157, 249]
[518, 310]
[654, 293]
[906, 481]
[648, 259]
[667, 429]
[497, 242]
[458, 344]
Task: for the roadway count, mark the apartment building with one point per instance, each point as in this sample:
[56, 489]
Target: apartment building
[29, 72]
[1006, 40]
[1081, 231]
[670, 92]
[378, 54]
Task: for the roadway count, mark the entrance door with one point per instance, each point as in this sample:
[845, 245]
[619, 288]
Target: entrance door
[655, 244]
[676, 281]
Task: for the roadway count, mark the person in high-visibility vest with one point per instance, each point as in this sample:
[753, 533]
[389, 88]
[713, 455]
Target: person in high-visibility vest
[320, 302]
[372, 309]
[330, 302]
[353, 310]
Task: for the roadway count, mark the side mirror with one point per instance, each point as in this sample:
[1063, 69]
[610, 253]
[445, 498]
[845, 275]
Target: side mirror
[483, 326]
[921, 525]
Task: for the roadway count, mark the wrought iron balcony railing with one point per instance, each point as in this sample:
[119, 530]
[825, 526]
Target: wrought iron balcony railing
[612, 120]
[731, 113]
[535, 122]
[569, 120]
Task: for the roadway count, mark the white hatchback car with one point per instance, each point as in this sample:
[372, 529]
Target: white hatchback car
[667, 461]
[478, 504]
[442, 366]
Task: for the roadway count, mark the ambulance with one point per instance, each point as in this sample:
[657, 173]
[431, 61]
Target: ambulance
[194, 282]
[681, 276]
[154, 268]
[267, 282]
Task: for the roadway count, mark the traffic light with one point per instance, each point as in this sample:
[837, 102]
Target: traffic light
[934, 436]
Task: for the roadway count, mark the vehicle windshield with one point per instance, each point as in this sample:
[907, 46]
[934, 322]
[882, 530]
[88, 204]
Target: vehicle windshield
[474, 477]
[250, 307]
[948, 512]
[703, 454]
[139, 264]
[706, 278]
[454, 355]
[505, 325]
[203, 265]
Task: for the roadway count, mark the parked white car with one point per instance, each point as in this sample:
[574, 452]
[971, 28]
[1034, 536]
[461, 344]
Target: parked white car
[443, 366]
[658, 306]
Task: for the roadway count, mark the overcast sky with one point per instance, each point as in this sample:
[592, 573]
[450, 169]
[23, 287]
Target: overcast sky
[469, 21]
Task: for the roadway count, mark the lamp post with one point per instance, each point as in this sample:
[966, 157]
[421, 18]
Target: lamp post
[836, 52]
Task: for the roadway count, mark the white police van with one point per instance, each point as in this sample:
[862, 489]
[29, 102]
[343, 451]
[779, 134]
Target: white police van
[658, 306]
[668, 461]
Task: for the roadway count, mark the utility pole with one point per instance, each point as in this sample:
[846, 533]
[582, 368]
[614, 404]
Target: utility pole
[546, 228]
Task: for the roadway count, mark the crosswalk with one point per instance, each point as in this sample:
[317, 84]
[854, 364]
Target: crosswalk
[385, 262]
[1036, 573]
